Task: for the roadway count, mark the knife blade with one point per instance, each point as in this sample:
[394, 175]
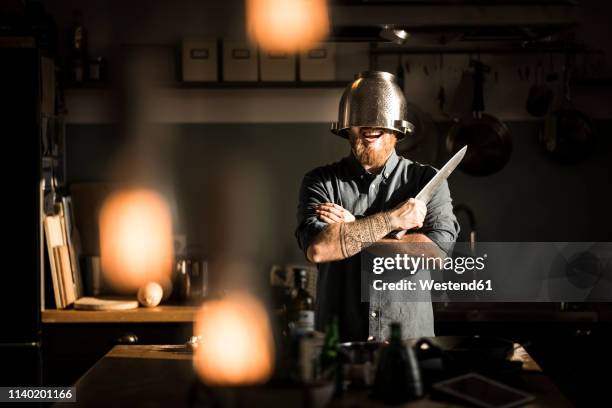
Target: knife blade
[430, 188]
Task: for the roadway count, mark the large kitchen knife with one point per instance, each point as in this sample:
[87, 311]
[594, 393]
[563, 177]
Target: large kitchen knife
[431, 187]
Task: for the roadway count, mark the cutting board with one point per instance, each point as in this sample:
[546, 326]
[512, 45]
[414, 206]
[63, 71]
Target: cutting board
[94, 303]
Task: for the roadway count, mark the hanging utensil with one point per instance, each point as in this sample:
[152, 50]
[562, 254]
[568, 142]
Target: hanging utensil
[441, 97]
[540, 95]
[460, 103]
[552, 75]
[419, 146]
[422, 146]
[489, 139]
[400, 72]
[567, 135]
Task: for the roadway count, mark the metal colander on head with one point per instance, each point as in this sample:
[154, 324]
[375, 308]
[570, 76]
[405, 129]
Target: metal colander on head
[373, 99]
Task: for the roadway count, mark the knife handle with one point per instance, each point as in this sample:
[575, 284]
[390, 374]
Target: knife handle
[400, 234]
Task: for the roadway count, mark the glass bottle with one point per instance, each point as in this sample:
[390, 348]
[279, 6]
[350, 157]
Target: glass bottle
[301, 308]
[398, 376]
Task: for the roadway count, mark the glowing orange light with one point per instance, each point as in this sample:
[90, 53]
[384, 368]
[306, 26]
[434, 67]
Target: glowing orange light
[287, 25]
[237, 346]
[135, 239]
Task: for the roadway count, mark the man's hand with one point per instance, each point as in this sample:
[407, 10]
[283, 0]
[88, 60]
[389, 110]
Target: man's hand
[408, 215]
[332, 213]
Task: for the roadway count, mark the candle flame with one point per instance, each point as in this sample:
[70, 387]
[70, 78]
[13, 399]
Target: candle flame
[287, 25]
[135, 239]
[237, 346]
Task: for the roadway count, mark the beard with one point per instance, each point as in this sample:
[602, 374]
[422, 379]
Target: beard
[372, 155]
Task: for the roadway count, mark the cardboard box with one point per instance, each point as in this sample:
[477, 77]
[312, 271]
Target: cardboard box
[277, 66]
[239, 61]
[199, 59]
[318, 63]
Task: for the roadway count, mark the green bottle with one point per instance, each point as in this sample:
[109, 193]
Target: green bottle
[330, 362]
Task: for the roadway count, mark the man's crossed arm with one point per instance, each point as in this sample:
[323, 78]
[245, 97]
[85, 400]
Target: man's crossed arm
[345, 236]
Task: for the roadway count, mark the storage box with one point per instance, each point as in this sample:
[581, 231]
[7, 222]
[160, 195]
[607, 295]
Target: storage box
[318, 63]
[239, 61]
[277, 66]
[199, 59]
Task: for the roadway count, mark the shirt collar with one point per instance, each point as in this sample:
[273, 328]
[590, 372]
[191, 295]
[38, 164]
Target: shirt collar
[357, 169]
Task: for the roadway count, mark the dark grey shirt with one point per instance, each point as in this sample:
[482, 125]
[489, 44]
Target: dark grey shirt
[347, 184]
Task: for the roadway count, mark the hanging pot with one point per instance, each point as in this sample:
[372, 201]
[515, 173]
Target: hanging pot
[489, 138]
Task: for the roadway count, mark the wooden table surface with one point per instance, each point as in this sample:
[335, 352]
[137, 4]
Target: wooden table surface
[162, 375]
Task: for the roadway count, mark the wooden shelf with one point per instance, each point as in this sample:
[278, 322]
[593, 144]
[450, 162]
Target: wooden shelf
[159, 314]
[264, 84]
[221, 85]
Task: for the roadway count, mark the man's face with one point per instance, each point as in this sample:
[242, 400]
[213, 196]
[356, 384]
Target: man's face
[371, 146]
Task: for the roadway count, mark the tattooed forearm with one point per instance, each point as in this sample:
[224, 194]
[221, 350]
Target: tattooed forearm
[343, 240]
[356, 235]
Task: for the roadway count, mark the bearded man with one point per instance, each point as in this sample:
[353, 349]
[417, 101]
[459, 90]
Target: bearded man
[346, 206]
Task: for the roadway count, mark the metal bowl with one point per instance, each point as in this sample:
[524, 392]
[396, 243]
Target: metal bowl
[373, 99]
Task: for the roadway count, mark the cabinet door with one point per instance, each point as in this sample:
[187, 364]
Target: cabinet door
[20, 365]
[20, 146]
[70, 349]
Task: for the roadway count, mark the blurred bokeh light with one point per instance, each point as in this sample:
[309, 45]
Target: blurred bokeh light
[136, 244]
[287, 26]
[236, 341]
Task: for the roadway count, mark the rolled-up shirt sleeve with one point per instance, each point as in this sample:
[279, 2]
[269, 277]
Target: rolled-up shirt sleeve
[440, 223]
[312, 193]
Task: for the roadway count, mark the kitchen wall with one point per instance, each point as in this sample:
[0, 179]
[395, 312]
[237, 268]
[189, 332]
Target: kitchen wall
[531, 199]
[263, 140]
[160, 24]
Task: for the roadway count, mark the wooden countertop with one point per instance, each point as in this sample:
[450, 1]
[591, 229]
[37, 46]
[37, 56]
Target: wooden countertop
[159, 314]
[163, 375]
[185, 314]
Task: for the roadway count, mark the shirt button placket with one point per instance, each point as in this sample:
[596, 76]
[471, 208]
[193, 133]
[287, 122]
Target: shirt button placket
[374, 317]
[375, 297]
[372, 192]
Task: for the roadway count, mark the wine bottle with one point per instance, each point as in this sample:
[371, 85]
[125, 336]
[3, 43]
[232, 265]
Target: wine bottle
[301, 309]
[398, 376]
[77, 47]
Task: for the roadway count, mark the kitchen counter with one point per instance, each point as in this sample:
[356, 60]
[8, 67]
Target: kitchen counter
[162, 375]
[186, 314]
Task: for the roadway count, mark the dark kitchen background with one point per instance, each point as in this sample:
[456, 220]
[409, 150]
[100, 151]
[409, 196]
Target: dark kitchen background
[285, 132]
[252, 144]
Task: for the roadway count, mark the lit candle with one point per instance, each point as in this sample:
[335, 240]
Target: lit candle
[287, 25]
[236, 342]
[135, 239]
